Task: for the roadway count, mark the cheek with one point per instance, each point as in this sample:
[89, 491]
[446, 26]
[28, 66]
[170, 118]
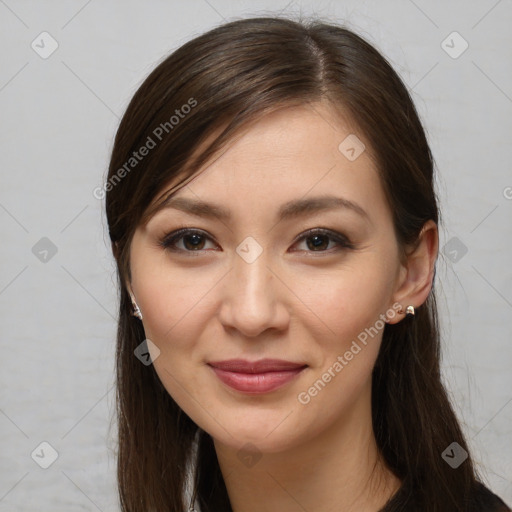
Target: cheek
[173, 302]
[175, 311]
[345, 302]
[347, 340]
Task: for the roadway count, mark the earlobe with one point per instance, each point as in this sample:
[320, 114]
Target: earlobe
[419, 271]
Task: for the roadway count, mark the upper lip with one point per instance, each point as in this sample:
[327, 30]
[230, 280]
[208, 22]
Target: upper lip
[261, 366]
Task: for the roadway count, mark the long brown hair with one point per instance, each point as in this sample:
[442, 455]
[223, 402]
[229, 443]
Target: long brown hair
[219, 82]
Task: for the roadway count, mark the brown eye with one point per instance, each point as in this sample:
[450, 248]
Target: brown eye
[192, 240]
[318, 240]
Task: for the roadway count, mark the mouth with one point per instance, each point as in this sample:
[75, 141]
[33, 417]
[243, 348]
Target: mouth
[255, 377]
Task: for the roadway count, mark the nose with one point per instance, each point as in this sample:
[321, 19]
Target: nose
[253, 298]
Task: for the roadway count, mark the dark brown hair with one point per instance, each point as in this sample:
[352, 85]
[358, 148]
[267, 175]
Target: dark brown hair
[230, 77]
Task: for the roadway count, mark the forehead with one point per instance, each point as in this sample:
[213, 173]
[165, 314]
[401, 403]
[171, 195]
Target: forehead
[293, 153]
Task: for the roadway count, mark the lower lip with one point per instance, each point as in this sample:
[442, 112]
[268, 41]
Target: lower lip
[256, 382]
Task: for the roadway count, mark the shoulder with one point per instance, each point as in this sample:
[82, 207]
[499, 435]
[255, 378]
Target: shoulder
[487, 501]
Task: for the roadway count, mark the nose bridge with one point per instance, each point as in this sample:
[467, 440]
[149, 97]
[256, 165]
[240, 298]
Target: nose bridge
[251, 302]
[254, 277]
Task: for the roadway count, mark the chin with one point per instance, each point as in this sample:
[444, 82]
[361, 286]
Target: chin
[269, 433]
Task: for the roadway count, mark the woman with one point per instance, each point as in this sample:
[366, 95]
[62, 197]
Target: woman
[271, 208]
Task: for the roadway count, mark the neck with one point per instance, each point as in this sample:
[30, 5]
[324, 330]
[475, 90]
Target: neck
[338, 470]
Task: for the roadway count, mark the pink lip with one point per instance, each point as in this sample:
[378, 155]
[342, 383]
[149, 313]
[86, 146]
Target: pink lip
[253, 377]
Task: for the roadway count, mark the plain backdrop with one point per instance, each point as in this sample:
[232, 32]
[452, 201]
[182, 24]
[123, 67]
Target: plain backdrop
[58, 298]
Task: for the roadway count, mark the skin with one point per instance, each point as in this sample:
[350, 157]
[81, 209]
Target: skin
[293, 302]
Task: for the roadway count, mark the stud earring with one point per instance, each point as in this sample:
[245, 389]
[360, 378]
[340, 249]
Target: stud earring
[136, 310]
[409, 311]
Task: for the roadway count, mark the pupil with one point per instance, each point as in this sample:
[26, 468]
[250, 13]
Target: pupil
[318, 240]
[196, 240]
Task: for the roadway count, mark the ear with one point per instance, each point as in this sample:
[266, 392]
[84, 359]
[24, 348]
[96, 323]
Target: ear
[417, 274]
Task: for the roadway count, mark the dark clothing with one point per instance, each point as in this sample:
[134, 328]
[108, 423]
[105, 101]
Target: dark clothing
[483, 500]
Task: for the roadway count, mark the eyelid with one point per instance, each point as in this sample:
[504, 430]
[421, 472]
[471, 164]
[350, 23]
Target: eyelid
[342, 240]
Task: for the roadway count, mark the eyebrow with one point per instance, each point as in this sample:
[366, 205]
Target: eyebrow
[291, 209]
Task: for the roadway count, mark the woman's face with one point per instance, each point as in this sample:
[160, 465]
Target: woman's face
[254, 285]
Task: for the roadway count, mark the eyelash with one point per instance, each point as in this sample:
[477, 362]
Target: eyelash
[169, 240]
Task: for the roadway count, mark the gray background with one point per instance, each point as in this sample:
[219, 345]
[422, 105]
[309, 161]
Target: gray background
[59, 116]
